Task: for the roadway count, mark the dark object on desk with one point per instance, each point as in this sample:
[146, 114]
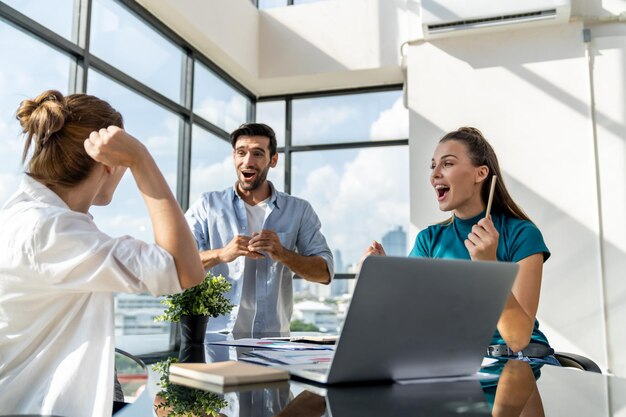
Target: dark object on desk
[449, 307]
[572, 360]
[193, 328]
[317, 340]
[192, 353]
[533, 350]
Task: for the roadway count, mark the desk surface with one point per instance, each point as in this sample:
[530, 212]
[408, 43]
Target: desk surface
[537, 391]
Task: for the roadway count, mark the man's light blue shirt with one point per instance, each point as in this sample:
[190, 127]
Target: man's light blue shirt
[218, 216]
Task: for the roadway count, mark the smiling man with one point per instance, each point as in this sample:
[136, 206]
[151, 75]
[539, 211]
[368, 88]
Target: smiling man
[258, 238]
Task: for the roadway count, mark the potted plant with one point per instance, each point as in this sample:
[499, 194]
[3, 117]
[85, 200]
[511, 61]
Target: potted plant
[178, 401]
[193, 307]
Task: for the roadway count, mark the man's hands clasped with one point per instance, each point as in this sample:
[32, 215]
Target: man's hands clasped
[264, 242]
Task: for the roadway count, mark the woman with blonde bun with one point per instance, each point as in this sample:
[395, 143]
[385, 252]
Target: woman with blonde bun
[58, 272]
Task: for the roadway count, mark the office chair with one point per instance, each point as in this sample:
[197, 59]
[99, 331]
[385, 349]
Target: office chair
[118, 394]
[572, 360]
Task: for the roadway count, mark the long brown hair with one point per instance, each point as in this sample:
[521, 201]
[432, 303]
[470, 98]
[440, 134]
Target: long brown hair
[58, 126]
[481, 153]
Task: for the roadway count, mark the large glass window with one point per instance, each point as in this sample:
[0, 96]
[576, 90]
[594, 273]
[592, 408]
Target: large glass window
[56, 15]
[149, 54]
[217, 101]
[360, 195]
[211, 164]
[360, 192]
[124, 41]
[27, 68]
[272, 113]
[157, 128]
[349, 118]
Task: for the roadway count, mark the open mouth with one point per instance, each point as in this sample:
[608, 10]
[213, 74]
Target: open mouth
[442, 191]
[248, 174]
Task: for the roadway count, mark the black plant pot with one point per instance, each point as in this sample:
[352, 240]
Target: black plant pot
[192, 353]
[193, 329]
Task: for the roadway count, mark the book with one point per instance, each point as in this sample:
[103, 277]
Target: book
[228, 373]
[223, 389]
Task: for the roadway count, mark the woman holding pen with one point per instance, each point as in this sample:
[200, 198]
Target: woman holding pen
[464, 171]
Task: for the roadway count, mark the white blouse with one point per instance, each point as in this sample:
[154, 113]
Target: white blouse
[58, 275]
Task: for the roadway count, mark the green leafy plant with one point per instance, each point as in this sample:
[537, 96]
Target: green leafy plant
[180, 401]
[205, 299]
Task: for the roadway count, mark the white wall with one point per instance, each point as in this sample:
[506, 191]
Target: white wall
[608, 49]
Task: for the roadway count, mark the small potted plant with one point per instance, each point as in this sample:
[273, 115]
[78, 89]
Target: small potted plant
[194, 306]
[178, 401]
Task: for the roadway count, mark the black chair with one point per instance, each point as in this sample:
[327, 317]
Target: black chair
[572, 360]
[118, 394]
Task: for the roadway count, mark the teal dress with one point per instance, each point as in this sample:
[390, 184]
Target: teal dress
[519, 239]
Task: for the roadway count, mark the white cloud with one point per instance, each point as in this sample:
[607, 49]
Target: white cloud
[211, 178]
[368, 197]
[137, 225]
[319, 121]
[226, 114]
[8, 185]
[392, 123]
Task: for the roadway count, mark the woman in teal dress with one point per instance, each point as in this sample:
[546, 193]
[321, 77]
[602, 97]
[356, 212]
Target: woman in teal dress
[462, 166]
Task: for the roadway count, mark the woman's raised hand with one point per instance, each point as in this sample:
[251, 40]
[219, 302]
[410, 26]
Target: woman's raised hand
[482, 242]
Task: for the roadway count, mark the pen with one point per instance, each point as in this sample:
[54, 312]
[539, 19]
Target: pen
[493, 187]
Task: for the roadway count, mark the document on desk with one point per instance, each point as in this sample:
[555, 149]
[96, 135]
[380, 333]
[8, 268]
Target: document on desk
[270, 344]
[306, 357]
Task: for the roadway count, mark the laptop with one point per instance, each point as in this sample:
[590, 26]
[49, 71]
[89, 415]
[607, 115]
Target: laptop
[414, 318]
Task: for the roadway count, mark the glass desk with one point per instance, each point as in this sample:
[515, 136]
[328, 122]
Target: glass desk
[518, 390]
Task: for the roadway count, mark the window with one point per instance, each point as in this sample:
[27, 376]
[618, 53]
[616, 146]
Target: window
[124, 37]
[211, 164]
[157, 128]
[56, 15]
[349, 118]
[360, 195]
[272, 113]
[218, 102]
[348, 156]
[124, 41]
[23, 76]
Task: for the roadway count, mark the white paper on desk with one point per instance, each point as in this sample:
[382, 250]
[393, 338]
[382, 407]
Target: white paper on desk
[478, 376]
[295, 358]
[270, 344]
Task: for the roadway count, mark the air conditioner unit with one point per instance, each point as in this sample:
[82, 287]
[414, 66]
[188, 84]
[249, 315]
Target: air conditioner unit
[462, 17]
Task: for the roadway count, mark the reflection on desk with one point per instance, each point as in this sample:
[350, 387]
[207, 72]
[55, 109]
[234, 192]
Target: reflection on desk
[520, 390]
